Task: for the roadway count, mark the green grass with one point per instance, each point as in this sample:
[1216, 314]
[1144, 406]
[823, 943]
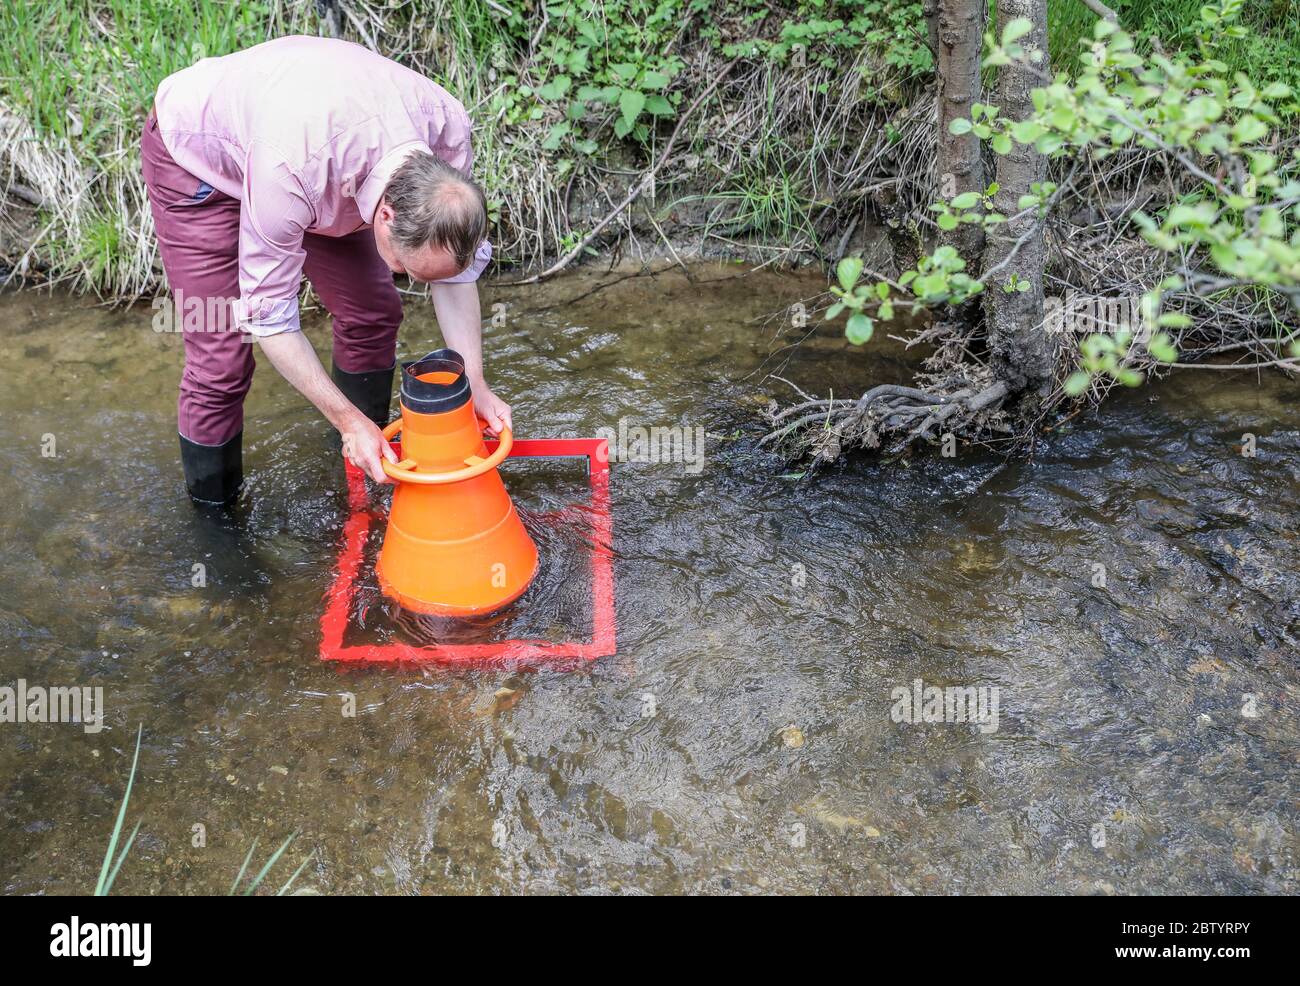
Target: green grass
[78, 78]
[109, 870]
[1270, 54]
[764, 197]
[77, 69]
[107, 876]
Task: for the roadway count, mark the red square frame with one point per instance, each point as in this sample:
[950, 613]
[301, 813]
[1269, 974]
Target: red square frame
[338, 599]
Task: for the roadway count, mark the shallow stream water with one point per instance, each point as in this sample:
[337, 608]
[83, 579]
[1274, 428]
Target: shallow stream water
[744, 738]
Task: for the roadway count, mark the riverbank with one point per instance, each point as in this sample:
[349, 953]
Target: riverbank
[813, 142]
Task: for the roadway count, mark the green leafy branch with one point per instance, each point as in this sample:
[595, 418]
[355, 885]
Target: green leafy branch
[1241, 217]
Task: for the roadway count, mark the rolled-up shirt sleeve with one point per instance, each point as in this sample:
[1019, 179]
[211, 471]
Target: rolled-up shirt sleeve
[274, 215]
[482, 256]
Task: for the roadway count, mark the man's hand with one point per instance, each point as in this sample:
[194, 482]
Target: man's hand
[364, 445]
[491, 408]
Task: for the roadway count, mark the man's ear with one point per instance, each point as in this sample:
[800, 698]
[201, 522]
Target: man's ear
[384, 212]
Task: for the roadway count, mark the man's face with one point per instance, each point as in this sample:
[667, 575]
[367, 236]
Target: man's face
[428, 263]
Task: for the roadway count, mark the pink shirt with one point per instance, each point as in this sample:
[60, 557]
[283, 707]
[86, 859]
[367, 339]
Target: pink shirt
[306, 133]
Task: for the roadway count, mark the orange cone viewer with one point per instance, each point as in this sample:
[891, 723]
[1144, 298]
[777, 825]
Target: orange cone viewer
[455, 545]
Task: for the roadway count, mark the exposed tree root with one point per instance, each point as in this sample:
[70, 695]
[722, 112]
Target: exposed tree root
[968, 403]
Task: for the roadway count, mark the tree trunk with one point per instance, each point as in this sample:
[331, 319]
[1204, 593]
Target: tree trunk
[956, 29]
[1024, 354]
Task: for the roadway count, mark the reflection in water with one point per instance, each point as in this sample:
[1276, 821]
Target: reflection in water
[1130, 591]
[552, 502]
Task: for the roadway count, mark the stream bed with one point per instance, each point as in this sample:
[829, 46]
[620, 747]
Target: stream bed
[1128, 594]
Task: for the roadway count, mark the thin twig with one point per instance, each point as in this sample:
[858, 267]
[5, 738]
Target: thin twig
[636, 191]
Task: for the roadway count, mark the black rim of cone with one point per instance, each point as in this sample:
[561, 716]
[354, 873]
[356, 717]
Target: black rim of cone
[426, 397]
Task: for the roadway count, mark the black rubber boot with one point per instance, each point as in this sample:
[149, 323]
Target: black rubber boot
[371, 392]
[213, 472]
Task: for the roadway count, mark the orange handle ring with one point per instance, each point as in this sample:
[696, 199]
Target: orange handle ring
[474, 466]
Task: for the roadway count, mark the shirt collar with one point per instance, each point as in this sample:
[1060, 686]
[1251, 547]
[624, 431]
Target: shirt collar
[372, 189]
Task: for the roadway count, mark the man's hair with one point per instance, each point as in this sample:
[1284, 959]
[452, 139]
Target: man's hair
[435, 204]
